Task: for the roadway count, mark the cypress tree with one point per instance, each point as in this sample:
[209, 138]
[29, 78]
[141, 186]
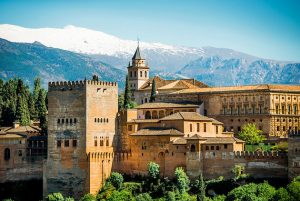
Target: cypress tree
[31, 107]
[42, 110]
[201, 188]
[22, 111]
[127, 95]
[153, 91]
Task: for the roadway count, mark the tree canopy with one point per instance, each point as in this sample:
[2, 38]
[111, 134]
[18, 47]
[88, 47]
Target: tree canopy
[250, 134]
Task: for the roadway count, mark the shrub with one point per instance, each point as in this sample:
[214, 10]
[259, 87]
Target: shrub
[252, 191]
[171, 196]
[133, 187]
[294, 190]
[153, 170]
[143, 197]
[55, 197]
[121, 196]
[282, 195]
[182, 180]
[88, 197]
[250, 134]
[106, 191]
[116, 179]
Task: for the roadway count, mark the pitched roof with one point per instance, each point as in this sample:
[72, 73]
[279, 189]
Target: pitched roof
[158, 131]
[165, 105]
[193, 116]
[222, 140]
[261, 87]
[162, 84]
[137, 54]
[9, 135]
[180, 140]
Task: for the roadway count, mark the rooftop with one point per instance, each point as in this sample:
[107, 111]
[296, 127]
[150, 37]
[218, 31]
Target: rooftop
[162, 84]
[165, 105]
[192, 116]
[261, 87]
[158, 132]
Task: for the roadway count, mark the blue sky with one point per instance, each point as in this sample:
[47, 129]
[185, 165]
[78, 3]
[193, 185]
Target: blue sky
[265, 28]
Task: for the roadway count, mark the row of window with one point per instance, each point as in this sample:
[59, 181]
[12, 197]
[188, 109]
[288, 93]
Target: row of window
[207, 148]
[134, 74]
[67, 121]
[286, 110]
[66, 143]
[239, 120]
[289, 98]
[244, 110]
[198, 127]
[238, 128]
[283, 128]
[283, 120]
[102, 140]
[101, 120]
[245, 98]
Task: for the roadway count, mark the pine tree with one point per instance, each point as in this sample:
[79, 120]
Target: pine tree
[31, 107]
[153, 91]
[36, 88]
[127, 95]
[201, 188]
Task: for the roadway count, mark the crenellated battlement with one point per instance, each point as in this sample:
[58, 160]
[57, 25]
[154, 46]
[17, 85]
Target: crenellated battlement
[65, 85]
[219, 155]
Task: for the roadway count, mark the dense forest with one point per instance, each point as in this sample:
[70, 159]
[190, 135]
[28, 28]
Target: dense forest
[19, 104]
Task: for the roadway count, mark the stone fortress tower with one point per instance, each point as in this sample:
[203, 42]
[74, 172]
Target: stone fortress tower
[81, 136]
[138, 71]
[293, 154]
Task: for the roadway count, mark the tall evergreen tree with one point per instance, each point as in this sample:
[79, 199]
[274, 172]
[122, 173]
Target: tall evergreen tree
[36, 88]
[127, 95]
[201, 188]
[42, 110]
[153, 91]
[22, 111]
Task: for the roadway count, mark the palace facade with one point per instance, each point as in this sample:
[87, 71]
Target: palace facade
[273, 108]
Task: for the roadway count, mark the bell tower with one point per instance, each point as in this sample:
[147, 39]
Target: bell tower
[138, 70]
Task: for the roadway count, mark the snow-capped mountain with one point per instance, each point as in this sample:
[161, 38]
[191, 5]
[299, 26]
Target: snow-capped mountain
[105, 47]
[214, 66]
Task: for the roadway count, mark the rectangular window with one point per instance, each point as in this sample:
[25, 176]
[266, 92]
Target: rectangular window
[204, 127]
[95, 143]
[217, 129]
[289, 109]
[295, 109]
[107, 142]
[145, 73]
[282, 109]
[278, 128]
[66, 143]
[224, 110]
[130, 73]
[191, 127]
[129, 127]
[217, 148]
[239, 128]
[198, 127]
[141, 73]
[207, 148]
[260, 109]
[231, 110]
[283, 128]
[238, 109]
[277, 109]
[212, 147]
[101, 143]
[253, 110]
[58, 143]
[225, 146]
[74, 143]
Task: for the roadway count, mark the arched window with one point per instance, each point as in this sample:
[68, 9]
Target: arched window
[161, 114]
[145, 73]
[71, 121]
[193, 148]
[58, 121]
[75, 120]
[154, 115]
[148, 115]
[6, 154]
[141, 73]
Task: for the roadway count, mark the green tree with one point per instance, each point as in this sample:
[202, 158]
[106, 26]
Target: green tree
[116, 179]
[238, 172]
[143, 197]
[31, 107]
[88, 197]
[153, 91]
[121, 196]
[22, 111]
[55, 197]
[261, 192]
[182, 180]
[127, 95]
[171, 196]
[294, 189]
[282, 195]
[153, 170]
[121, 101]
[250, 134]
[36, 88]
[201, 188]
[42, 110]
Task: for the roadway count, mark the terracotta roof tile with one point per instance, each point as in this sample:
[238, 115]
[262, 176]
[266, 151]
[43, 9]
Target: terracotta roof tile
[193, 116]
[165, 105]
[158, 131]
